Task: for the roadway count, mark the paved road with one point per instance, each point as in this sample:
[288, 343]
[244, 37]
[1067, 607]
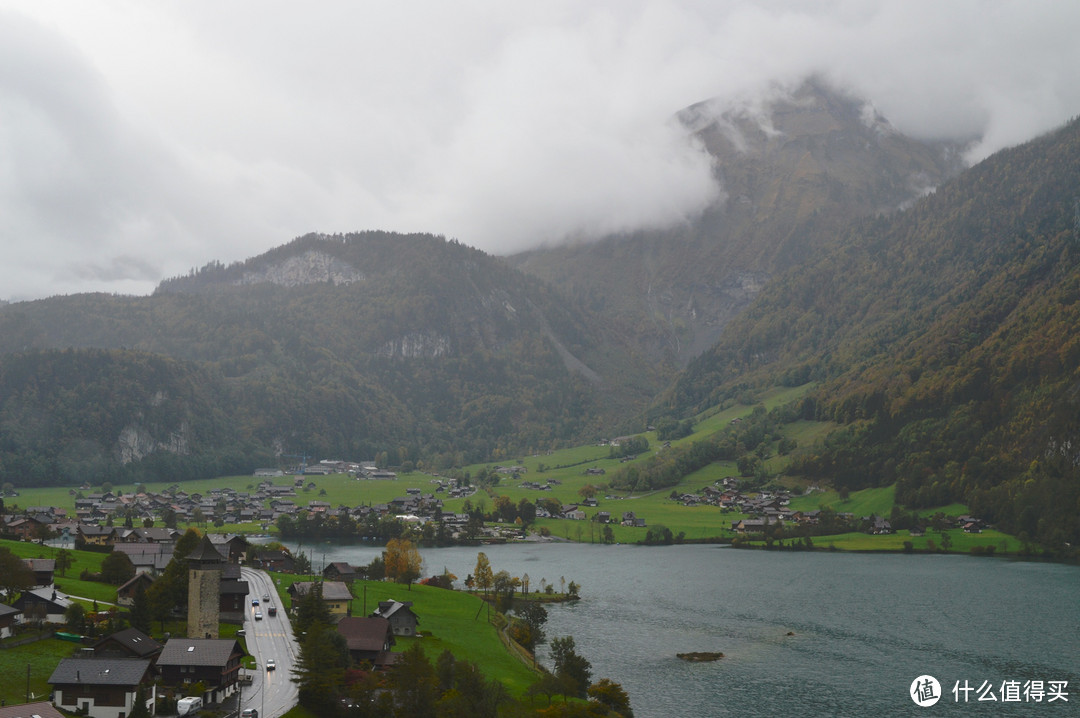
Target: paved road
[272, 692]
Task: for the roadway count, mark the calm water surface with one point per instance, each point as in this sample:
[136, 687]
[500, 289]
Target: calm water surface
[865, 626]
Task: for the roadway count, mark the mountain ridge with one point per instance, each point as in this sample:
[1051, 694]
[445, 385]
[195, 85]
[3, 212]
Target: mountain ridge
[795, 169]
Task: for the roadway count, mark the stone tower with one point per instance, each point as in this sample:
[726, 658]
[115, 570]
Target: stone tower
[204, 590]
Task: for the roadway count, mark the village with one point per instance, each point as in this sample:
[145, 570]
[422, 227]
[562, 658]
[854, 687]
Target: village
[117, 674]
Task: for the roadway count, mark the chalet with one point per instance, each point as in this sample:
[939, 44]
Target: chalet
[125, 594]
[341, 571]
[94, 535]
[231, 546]
[281, 561]
[213, 661]
[128, 643]
[26, 528]
[602, 517]
[43, 569]
[402, 619]
[102, 687]
[44, 604]
[9, 616]
[369, 639]
[335, 595]
[880, 526]
[24, 710]
[151, 558]
[232, 592]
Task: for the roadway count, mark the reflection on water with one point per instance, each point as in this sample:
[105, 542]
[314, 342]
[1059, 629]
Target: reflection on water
[863, 626]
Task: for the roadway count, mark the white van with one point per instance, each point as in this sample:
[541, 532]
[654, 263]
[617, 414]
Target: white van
[188, 706]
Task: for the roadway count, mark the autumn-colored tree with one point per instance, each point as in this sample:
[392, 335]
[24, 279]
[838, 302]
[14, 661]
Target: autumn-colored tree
[402, 560]
[483, 576]
[611, 695]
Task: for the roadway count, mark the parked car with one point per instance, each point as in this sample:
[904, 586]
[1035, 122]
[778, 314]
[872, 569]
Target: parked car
[270, 665]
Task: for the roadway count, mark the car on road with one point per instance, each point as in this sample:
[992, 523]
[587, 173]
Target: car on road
[266, 598]
[258, 615]
[270, 665]
[272, 610]
[249, 713]
[254, 602]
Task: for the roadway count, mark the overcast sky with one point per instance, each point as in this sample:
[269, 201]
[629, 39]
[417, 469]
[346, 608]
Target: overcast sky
[141, 139]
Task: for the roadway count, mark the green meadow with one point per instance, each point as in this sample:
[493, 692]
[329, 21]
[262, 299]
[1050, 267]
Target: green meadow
[449, 620]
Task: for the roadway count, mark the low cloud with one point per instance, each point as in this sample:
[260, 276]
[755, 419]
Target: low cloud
[139, 141]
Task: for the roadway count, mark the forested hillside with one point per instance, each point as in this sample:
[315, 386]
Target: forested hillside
[946, 338]
[333, 346]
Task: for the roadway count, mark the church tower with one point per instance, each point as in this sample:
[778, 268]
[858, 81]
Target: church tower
[204, 590]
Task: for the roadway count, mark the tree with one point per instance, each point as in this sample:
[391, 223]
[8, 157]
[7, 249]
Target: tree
[482, 574]
[116, 568]
[534, 615]
[75, 617]
[311, 611]
[403, 562]
[320, 667]
[140, 609]
[414, 684]
[302, 564]
[63, 561]
[571, 667]
[139, 709]
[15, 575]
[612, 696]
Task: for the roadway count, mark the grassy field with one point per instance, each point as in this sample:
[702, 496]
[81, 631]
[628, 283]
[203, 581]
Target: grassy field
[70, 582]
[961, 542]
[41, 659]
[449, 620]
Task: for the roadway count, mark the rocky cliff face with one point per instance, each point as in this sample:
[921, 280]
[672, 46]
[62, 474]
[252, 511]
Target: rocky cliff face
[310, 267]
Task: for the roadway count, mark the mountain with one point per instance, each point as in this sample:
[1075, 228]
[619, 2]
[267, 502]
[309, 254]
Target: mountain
[946, 340]
[795, 168]
[347, 345]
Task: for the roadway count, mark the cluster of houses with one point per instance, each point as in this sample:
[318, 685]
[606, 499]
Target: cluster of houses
[107, 677]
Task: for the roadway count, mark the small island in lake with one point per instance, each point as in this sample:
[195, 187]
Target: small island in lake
[700, 657]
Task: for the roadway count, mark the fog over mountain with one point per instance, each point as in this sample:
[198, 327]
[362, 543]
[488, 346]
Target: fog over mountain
[139, 141]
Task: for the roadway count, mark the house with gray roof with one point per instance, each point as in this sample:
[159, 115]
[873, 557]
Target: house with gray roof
[214, 661]
[102, 687]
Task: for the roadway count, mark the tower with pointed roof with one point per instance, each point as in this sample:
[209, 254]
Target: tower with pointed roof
[204, 590]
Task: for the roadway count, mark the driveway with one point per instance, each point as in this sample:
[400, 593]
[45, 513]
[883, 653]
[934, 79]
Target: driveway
[272, 693]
